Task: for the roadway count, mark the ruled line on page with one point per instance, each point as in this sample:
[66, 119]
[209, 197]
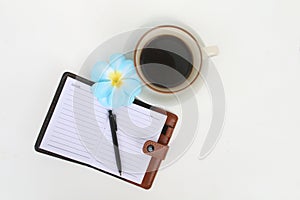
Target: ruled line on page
[67, 145]
[79, 127]
[68, 151]
[74, 138]
[75, 130]
[82, 110]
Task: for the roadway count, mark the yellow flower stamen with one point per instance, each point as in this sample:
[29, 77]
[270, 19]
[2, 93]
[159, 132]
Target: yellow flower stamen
[115, 78]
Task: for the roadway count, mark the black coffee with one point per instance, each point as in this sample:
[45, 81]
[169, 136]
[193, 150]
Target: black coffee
[166, 61]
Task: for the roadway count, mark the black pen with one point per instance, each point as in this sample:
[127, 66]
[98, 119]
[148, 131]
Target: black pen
[113, 128]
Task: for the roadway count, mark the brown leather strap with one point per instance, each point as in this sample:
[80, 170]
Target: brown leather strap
[155, 149]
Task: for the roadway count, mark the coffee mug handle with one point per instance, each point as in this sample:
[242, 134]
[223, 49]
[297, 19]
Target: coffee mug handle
[211, 51]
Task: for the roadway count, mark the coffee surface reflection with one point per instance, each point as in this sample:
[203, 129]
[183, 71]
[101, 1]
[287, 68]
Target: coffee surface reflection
[166, 61]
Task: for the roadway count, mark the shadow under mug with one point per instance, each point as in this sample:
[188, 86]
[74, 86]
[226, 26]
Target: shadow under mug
[198, 54]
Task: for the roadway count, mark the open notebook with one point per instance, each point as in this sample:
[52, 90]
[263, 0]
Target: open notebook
[77, 128]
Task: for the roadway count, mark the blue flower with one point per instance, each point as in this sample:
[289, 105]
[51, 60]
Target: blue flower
[116, 82]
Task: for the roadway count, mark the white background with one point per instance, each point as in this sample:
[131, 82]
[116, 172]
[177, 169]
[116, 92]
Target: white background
[259, 62]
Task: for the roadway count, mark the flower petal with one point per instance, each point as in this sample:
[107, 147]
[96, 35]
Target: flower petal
[131, 74]
[115, 60]
[132, 87]
[98, 71]
[102, 89]
[118, 98]
[106, 74]
[135, 93]
[104, 102]
[126, 66]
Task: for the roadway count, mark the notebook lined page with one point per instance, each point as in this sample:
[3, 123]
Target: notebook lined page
[79, 129]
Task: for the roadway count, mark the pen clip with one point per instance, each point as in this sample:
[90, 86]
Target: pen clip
[112, 117]
[115, 122]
